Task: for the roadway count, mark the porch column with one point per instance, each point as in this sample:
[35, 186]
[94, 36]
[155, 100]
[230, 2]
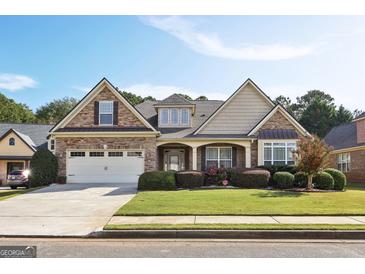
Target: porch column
[248, 156]
[195, 158]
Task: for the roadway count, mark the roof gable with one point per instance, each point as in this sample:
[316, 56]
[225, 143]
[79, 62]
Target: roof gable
[240, 112]
[286, 115]
[100, 87]
[24, 138]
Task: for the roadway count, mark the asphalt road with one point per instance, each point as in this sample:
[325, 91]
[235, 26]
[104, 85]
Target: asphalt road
[162, 248]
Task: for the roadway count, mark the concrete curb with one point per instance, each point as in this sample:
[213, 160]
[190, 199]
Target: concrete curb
[233, 234]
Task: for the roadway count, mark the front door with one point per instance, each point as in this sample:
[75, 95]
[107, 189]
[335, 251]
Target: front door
[174, 162]
[174, 159]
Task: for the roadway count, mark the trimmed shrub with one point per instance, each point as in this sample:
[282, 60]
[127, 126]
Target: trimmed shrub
[284, 179]
[189, 179]
[339, 178]
[300, 179]
[254, 178]
[157, 180]
[323, 180]
[273, 169]
[44, 168]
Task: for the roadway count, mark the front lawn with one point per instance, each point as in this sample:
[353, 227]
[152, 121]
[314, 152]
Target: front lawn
[245, 202]
[8, 193]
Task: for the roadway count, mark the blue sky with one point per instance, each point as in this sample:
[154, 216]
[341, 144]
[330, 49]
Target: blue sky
[48, 57]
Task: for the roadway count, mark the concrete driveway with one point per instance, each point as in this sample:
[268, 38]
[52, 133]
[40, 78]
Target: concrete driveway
[63, 210]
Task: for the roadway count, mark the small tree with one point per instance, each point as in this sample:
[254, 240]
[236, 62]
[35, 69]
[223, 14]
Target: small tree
[312, 155]
[44, 167]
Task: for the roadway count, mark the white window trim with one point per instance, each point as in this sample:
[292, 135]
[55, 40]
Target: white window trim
[285, 145]
[179, 117]
[218, 159]
[112, 113]
[340, 161]
[50, 144]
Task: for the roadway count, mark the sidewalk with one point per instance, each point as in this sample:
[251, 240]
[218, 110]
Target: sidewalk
[122, 220]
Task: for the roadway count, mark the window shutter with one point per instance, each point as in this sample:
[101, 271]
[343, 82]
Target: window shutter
[115, 113]
[234, 156]
[96, 113]
[203, 158]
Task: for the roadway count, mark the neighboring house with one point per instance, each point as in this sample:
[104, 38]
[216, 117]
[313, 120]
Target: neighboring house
[18, 142]
[348, 142]
[105, 139]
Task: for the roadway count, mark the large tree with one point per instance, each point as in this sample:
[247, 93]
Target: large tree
[54, 111]
[136, 99]
[12, 112]
[316, 111]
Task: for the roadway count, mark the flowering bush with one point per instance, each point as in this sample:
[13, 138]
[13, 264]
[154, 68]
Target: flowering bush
[215, 176]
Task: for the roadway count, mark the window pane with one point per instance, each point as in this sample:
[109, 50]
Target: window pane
[212, 163]
[225, 163]
[106, 119]
[212, 153]
[279, 154]
[184, 116]
[106, 107]
[267, 163]
[174, 116]
[225, 153]
[134, 153]
[267, 154]
[164, 116]
[290, 155]
[77, 153]
[96, 154]
[115, 154]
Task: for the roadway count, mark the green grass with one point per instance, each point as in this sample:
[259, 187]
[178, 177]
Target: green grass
[235, 227]
[245, 202]
[9, 193]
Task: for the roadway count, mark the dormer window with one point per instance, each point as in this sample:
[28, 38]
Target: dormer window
[11, 142]
[106, 113]
[174, 117]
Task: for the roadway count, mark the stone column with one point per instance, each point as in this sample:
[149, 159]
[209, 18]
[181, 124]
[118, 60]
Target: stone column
[248, 156]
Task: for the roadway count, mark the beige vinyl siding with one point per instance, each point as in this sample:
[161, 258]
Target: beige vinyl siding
[241, 114]
[20, 148]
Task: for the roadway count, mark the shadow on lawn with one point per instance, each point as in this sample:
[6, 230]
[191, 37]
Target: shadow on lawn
[278, 194]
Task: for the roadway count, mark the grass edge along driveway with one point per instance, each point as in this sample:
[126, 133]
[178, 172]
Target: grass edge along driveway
[254, 202]
[9, 193]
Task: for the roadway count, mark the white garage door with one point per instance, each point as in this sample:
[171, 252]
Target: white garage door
[102, 166]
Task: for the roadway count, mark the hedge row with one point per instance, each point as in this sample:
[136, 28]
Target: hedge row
[243, 178]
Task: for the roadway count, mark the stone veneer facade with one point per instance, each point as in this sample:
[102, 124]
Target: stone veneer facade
[278, 121]
[148, 144]
[85, 118]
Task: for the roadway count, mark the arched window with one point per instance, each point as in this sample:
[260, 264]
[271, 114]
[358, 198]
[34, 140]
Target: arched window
[11, 142]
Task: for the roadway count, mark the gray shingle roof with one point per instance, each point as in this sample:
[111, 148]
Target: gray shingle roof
[175, 99]
[37, 133]
[343, 136]
[203, 109]
[278, 134]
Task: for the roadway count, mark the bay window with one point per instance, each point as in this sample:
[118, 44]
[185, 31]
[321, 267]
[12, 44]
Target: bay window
[279, 153]
[218, 157]
[344, 162]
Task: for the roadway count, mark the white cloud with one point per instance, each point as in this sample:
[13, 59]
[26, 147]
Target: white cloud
[210, 43]
[14, 82]
[163, 91]
[82, 89]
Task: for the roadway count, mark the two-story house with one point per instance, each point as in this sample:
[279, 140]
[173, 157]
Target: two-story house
[105, 139]
[348, 142]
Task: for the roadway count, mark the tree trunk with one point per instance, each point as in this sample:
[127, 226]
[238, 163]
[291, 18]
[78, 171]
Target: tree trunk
[310, 182]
